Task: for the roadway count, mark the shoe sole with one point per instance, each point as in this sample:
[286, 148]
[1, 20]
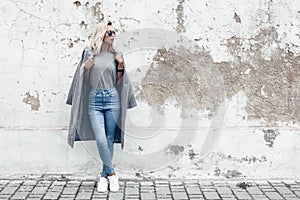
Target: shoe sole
[113, 190]
[101, 191]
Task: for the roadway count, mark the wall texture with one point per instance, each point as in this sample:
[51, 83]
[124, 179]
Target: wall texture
[217, 84]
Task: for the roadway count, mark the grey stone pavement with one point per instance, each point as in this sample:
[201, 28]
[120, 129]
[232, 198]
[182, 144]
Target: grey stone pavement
[60, 187]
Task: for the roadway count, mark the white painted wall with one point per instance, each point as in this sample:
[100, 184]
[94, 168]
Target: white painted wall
[40, 46]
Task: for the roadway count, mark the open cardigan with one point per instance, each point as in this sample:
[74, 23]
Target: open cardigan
[79, 126]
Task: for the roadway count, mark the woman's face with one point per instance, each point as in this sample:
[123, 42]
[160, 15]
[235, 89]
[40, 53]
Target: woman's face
[110, 34]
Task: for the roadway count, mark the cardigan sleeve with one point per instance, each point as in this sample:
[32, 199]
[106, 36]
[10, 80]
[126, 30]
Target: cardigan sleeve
[74, 81]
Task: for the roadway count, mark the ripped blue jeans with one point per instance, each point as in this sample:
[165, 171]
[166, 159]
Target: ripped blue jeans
[104, 111]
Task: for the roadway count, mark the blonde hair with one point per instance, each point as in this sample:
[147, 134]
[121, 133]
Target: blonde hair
[98, 36]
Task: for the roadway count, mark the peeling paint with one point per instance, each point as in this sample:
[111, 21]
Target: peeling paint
[140, 148]
[174, 149]
[77, 3]
[237, 18]
[77, 40]
[217, 171]
[228, 174]
[270, 136]
[192, 154]
[253, 159]
[34, 102]
[97, 11]
[244, 185]
[83, 25]
[232, 173]
[174, 76]
[265, 72]
[180, 21]
[271, 69]
[248, 159]
[70, 43]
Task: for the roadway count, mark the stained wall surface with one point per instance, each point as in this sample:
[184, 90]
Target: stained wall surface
[217, 85]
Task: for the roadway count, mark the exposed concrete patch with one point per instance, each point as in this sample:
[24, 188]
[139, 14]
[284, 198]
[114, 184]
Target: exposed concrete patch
[217, 171]
[140, 148]
[266, 73]
[270, 136]
[180, 14]
[252, 159]
[138, 175]
[232, 173]
[237, 18]
[77, 3]
[83, 25]
[97, 11]
[244, 185]
[228, 174]
[248, 159]
[189, 78]
[70, 43]
[174, 150]
[77, 40]
[34, 102]
[192, 154]
[296, 90]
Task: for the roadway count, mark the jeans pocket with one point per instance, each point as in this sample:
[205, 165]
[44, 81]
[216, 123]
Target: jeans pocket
[113, 93]
[92, 95]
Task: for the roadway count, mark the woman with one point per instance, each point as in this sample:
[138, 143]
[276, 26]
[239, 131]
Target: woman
[104, 103]
[105, 90]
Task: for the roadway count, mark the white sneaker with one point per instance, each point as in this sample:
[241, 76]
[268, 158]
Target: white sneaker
[113, 183]
[102, 184]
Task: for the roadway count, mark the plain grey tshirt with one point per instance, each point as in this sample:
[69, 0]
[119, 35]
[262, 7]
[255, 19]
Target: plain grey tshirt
[103, 73]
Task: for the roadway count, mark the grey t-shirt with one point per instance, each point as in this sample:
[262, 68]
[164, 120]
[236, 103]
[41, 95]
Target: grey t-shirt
[103, 73]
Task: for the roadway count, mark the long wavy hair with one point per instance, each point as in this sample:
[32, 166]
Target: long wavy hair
[98, 37]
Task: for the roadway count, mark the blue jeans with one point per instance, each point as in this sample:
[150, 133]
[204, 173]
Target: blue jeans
[104, 110]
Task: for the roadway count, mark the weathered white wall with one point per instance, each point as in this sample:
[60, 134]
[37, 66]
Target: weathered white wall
[217, 84]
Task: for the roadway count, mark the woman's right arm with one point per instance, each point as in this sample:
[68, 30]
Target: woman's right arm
[87, 69]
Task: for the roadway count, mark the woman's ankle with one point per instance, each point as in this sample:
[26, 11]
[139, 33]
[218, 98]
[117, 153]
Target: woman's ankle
[114, 173]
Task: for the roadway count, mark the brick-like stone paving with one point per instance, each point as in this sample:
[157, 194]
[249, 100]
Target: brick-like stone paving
[67, 189]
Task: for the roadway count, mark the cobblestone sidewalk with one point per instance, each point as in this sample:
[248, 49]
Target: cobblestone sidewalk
[61, 188]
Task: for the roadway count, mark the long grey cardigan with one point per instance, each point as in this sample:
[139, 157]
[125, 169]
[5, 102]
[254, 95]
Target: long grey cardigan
[80, 127]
